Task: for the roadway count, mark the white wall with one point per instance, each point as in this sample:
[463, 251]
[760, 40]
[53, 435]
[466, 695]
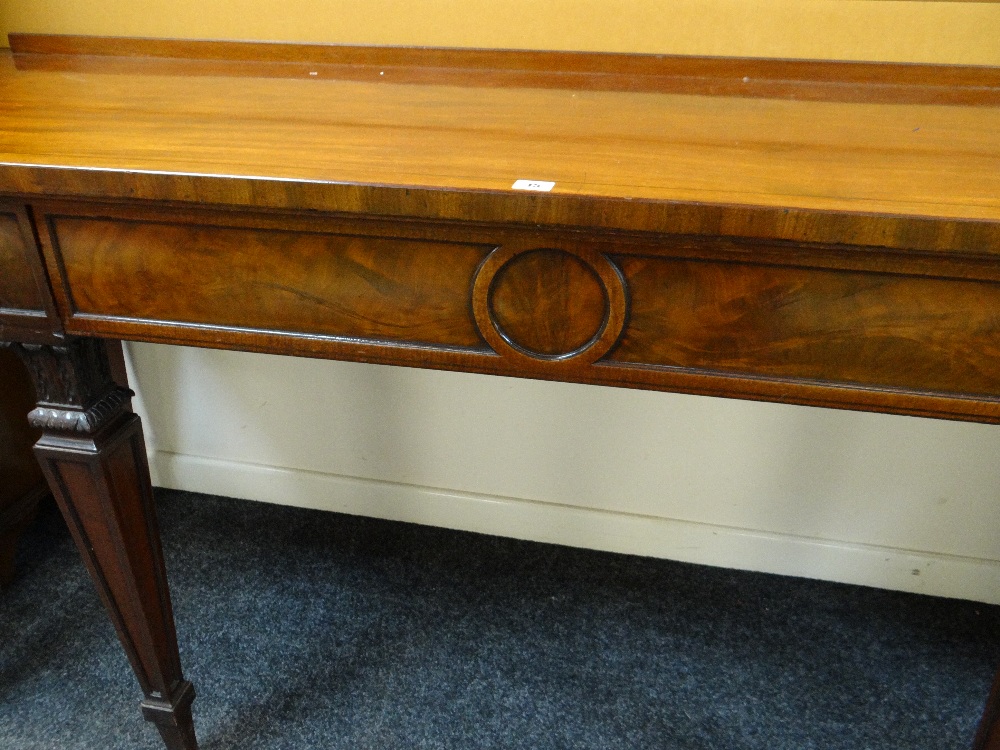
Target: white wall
[896, 502]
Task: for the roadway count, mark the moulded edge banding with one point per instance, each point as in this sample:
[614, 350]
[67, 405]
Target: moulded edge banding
[608, 333]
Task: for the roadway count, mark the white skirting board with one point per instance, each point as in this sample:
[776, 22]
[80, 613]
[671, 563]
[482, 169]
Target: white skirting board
[706, 544]
[892, 502]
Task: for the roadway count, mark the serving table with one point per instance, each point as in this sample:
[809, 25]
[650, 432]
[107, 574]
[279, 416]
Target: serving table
[824, 234]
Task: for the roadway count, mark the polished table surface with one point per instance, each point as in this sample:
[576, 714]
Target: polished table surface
[811, 233]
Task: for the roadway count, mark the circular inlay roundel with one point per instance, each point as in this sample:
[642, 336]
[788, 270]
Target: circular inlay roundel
[555, 308]
[547, 303]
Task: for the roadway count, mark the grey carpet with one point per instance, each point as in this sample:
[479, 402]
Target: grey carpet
[303, 629]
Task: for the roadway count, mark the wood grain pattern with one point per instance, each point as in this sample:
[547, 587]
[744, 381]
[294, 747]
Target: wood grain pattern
[548, 303]
[599, 71]
[27, 310]
[879, 330]
[14, 267]
[834, 326]
[798, 170]
[321, 284]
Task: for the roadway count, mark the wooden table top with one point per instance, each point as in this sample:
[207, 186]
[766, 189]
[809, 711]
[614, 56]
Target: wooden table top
[449, 143]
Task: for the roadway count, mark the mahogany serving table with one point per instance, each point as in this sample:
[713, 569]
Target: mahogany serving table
[811, 233]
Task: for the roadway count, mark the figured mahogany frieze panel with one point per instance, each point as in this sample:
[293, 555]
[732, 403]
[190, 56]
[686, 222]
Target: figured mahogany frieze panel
[874, 329]
[321, 284]
[17, 281]
[27, 312]
[842, 326]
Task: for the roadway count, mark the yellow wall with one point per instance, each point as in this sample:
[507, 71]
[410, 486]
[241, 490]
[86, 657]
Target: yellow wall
[952, 32]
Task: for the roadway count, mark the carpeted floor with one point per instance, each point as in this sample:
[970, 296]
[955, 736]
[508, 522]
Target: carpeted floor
[303, 629]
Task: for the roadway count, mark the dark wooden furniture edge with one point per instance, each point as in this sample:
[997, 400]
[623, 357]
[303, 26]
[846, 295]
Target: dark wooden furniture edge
[25, 182]
[40, 324]
[481, 358]
[734, 76]
[988, 733]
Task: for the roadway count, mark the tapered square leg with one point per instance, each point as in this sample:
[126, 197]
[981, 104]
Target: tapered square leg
[93, 456]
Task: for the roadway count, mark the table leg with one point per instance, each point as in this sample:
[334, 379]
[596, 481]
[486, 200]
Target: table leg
[988, 736]
[94, 458]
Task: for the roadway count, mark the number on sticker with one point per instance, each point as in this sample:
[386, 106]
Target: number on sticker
[538, 185]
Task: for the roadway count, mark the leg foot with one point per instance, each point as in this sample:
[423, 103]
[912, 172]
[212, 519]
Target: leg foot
[173, 717]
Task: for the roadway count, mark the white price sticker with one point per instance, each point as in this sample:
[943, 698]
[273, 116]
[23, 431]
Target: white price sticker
[540, 186]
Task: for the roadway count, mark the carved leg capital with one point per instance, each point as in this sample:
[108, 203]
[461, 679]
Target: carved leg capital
[76, 391]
